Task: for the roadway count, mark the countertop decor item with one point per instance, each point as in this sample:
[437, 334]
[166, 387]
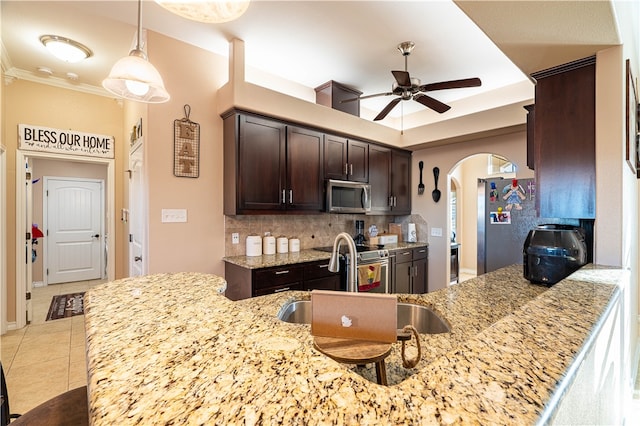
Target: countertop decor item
[186, 146]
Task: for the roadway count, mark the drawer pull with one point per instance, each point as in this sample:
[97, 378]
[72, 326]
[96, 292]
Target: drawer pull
[281, 272]
[323, 266]
[406, 253]
[281, 289]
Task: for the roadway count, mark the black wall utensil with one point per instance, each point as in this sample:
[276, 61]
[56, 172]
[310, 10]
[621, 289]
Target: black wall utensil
[436, 192]
[421, 185]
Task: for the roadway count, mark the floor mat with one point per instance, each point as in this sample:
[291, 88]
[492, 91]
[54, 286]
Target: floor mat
[66, 305]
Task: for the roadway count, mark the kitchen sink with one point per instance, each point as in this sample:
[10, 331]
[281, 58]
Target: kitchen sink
[421, 317]
[296, 312]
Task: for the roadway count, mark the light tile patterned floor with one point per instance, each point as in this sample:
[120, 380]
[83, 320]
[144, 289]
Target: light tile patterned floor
[45, 358]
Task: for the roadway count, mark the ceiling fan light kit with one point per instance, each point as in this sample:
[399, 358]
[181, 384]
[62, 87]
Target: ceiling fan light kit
[210, 12]
[407, 88]
[65, 49]
[134, 77]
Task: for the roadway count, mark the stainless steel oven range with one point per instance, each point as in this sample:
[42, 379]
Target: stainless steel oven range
[366, 256]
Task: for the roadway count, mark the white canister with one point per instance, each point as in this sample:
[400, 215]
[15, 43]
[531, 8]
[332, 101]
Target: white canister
[411, 233]
[254, 245]
[269, 245]
[294, 245]
[282, 244]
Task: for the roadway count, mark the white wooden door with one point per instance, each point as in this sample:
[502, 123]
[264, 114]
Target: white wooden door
[74, 219]
[137, 215]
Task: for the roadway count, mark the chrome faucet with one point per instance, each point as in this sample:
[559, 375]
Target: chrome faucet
[334, 263]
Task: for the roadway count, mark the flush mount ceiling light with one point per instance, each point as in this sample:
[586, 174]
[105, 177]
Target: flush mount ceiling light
[211, 12]
[134, 78]
[65, 49]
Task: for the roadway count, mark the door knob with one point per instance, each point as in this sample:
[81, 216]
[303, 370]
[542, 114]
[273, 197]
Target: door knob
[96, 236]
[138, 258]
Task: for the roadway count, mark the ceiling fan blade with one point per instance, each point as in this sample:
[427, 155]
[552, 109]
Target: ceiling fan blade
[432, 103]
[367, 97]
[453, 84]
[402, 77]
[387, 109]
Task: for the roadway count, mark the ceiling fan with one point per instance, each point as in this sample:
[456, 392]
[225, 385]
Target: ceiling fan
[407, 88]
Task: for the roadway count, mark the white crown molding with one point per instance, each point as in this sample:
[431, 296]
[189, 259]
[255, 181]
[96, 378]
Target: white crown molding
[16, 73]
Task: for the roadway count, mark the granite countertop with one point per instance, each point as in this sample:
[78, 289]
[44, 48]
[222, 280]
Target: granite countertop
[170, 349]
[310, 255]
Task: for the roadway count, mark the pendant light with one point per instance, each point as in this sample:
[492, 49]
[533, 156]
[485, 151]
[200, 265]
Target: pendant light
[208, 11]
[134, 78]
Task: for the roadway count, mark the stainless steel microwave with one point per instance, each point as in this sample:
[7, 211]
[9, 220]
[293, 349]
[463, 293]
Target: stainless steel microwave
[348, 197]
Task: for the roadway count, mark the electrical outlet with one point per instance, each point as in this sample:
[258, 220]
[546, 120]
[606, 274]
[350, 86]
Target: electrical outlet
[235, 238]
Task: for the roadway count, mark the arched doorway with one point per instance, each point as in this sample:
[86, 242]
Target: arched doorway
[463, 204]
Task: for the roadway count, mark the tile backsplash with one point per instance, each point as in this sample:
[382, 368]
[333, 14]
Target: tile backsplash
[312, 230]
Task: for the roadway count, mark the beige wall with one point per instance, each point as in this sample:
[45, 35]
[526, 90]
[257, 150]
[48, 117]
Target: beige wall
[42, 105]
[192, 76]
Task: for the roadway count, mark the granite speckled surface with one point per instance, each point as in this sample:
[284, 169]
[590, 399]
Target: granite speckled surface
[170, 349]
[311, 255]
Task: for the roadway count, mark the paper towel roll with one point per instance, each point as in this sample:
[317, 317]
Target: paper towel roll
[282, 244]
[254, 245]
[411, 233]
[269, 245]
[294, 245]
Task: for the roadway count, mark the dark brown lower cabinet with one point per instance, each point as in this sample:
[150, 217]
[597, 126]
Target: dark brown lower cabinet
[409, 270]
[243, 283]
[455, 264]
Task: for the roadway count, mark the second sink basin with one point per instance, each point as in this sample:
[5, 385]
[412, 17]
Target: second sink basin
[421, 317]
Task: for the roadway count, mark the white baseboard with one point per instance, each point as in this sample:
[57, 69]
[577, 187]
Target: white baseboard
[37, 284]
[468, 271]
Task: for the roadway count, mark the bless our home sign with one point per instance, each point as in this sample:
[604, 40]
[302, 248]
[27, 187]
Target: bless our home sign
[46, 139]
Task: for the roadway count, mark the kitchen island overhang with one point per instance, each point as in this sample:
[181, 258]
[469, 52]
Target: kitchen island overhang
[170, 348]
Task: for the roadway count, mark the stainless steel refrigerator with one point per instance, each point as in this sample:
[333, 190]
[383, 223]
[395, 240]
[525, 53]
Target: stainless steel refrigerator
[506, 214]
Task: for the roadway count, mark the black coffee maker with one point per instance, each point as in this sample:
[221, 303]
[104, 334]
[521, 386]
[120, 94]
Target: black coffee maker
[359, 237]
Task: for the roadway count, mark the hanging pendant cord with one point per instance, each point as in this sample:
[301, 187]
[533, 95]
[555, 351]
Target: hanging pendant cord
[139, 40]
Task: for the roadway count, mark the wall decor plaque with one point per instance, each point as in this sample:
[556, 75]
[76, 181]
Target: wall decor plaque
[186, 146]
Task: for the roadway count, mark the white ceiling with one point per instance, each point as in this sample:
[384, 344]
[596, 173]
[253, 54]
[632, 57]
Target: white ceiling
[352, 42]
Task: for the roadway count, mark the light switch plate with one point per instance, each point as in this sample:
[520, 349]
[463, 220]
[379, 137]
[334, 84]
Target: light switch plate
[436, 232]
[174, 215]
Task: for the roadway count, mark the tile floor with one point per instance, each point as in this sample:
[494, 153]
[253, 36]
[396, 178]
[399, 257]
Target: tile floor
[45, 358]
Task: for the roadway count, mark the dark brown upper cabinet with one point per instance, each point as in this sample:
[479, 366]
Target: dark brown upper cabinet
[390, 179]
[345, 159]
[271, 167]
[564, 140]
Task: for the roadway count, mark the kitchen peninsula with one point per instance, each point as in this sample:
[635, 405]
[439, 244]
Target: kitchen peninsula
[171, 349]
